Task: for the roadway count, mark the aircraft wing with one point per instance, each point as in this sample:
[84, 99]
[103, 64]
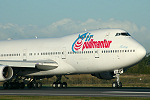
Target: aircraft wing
[39, 64]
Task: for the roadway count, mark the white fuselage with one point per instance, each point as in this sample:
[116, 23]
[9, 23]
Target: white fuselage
[98, 56]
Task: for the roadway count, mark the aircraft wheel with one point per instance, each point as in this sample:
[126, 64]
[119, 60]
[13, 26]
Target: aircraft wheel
[5, 85]
[34, 84]
[13, 85]
[10, 85]
[30, 85]
[64, 85]
[59, 85]
[39, 85]
[120, 85]
[114, 85]
[16, 85]
[54, 85]
[22, 85]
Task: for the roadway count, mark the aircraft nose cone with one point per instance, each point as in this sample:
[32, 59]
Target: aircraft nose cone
[141, 52]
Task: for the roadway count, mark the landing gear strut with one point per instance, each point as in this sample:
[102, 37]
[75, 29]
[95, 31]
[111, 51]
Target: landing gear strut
[117, 84]
[58, 83]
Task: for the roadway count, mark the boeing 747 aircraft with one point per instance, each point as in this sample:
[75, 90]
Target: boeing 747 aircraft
[104, 53]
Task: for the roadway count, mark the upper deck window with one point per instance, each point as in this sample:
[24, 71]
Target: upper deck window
[122, 34]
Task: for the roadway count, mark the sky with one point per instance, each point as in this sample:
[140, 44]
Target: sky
[22, 19]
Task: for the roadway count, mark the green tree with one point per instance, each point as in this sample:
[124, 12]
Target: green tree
[143, 67]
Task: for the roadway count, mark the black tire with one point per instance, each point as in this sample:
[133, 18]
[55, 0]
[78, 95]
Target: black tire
[39, 85]
[59, 85]
[22, 85]
[30, 85]
[114, 85]
[64, 85]
[55, 85]
[5, 85]
[10, 85]
[34, 84]
[16, 85]
[120, 85]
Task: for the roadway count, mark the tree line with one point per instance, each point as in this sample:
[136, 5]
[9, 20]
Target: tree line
[143, 67]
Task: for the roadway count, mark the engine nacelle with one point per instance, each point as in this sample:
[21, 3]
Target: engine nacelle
[104, 75]
[6, 73]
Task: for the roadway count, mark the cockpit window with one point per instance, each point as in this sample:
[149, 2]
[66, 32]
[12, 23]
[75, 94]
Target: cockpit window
[117, 34]
[122, 34]
[125, 34]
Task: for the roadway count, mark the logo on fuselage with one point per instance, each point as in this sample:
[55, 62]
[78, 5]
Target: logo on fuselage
[86, 41]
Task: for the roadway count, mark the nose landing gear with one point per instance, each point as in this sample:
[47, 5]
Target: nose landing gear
[117, 73]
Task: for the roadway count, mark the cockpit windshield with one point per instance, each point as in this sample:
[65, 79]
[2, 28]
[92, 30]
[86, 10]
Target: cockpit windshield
[122, 34]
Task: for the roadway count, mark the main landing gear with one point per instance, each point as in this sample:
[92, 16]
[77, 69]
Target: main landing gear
[117, 73]
[19, 83]
[58, 83]
[14, 84]
[34, 84]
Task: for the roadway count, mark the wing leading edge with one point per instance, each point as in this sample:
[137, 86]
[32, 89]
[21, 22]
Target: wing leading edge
[41, 65]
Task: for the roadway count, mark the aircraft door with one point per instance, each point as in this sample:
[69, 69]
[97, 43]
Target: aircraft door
[96, 53]
[25, 55]
[63, 53]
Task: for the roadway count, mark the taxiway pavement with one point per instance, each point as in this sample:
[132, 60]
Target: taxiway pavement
[80, 91]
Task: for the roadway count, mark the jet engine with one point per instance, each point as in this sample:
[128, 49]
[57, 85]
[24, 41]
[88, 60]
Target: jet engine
[104, 75]
[6, 73]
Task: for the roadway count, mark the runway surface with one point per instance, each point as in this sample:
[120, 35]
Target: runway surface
[80, 91]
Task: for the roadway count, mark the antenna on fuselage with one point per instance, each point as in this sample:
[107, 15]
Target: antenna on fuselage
[36, 37]
[85, 30]
[9, 39]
